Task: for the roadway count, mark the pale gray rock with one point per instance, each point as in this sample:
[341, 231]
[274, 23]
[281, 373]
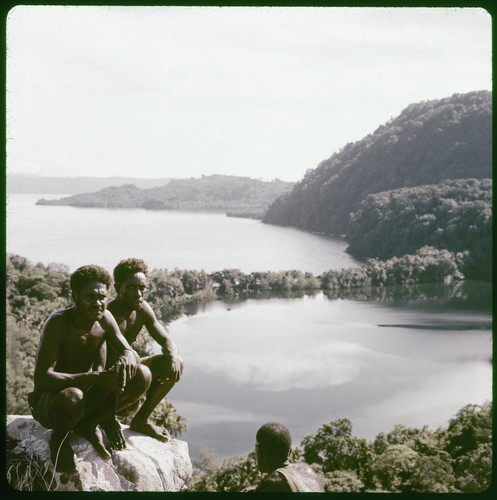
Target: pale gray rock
[145, 465]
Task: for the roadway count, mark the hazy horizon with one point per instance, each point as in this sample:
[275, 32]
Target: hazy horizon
[260, 92]
[71, 176]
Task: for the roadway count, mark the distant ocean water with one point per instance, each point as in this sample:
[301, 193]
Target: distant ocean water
[164, 239]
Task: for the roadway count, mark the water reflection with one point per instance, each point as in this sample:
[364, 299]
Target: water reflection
[308, 361]
[469, 295]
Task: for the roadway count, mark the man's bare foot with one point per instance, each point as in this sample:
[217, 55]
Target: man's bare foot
[151, 430]
[94, 435]
[61, 453]
[114, 434]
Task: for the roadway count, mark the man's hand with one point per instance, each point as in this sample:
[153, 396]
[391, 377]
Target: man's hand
[113, 379]
[176, 364]
[176, 367]
[129, 360]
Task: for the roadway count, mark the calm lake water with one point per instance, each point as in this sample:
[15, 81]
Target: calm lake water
[164, 239]
[303, 362]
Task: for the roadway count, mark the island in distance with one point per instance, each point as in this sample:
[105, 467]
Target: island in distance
[238, 196]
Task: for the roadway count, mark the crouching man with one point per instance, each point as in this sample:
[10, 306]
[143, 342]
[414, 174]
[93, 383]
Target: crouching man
[132, 313]
[72, 389]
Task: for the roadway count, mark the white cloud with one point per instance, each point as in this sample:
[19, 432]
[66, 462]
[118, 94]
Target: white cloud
[290, 359]
[287, 366]
[210, 413]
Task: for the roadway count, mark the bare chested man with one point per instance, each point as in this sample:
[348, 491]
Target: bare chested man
[132, 313]
[73, 390]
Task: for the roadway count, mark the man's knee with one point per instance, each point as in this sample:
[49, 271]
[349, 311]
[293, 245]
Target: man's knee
[165, 368]
[66, 407]
[70, 397]
[142, 378]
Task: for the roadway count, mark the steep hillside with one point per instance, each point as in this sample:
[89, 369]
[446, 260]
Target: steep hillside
[428, 143]
[455, 215]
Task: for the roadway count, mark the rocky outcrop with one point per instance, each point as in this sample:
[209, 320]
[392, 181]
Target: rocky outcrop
[145, 465]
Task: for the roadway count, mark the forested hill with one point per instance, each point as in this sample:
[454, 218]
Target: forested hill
[238, 195]
[429, 142]
[455, 215]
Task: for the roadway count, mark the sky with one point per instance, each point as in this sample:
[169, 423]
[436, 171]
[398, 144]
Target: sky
[261, 92]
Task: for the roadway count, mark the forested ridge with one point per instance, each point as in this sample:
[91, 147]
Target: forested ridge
[428, 143]
[454, 459]
[455, 215]
[241, 196]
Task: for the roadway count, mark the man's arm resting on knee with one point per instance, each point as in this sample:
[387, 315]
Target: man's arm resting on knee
[128, 357]
[159, 334]
[47, 378]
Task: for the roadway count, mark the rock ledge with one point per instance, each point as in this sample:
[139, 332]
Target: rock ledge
[145, 465]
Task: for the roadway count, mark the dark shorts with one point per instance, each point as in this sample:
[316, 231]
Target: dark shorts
[38, 403]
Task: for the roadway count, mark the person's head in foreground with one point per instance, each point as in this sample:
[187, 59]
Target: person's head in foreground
[272, 450]
[272, 447]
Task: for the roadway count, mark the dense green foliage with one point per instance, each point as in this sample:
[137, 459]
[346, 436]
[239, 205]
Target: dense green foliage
[427, 143]
[232, 475]
[238, 195]
[454, 215]
[32, 292]
[405, 460]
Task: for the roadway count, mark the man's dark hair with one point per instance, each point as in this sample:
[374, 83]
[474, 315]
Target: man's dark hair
[275, 440]
[89, 274]
[127, 267]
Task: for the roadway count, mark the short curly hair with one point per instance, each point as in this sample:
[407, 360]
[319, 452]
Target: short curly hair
[275, 440]
[129, 266]
[89, 274]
